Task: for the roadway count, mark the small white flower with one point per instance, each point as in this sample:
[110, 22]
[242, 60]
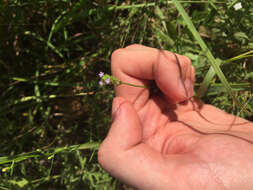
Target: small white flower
[101, 74]
[107, 81]
[101, 83]
[238, 6]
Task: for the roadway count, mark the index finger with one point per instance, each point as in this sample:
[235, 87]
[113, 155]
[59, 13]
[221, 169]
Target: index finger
[139, 65]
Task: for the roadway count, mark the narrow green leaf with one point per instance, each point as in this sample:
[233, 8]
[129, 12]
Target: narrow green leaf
[50, 152]
[50, 45]
[215, 68]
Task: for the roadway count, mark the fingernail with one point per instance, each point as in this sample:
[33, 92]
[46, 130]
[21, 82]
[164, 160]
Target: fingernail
[189, 88]
[115, 108]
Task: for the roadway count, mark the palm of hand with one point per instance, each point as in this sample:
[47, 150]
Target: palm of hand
[209, 152]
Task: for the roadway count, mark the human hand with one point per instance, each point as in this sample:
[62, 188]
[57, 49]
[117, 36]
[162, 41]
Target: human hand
[170, 140]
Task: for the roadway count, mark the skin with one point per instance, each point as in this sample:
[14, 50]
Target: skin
[170, 140]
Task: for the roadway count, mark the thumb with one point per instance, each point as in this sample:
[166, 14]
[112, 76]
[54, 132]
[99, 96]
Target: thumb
[125, 132]
[126, 128]
[126, 157]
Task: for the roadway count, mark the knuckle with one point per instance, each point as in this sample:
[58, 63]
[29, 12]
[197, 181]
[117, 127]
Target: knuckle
[187, 60]
[101, 155]
[117, 54]
[105, 154]
[133, 46]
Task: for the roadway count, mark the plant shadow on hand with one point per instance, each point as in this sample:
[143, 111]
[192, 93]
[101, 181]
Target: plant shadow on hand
[197, 106]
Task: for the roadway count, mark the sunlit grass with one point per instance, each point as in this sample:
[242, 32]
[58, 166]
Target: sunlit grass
[54, 114]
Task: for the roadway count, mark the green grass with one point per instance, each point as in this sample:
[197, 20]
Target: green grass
[53, 113]
[215, 64]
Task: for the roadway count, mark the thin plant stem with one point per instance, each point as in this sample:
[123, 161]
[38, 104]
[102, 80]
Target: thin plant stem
[129, 84]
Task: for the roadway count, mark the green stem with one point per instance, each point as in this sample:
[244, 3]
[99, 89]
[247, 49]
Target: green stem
[242, 56]
[129, 84]
[50, 152]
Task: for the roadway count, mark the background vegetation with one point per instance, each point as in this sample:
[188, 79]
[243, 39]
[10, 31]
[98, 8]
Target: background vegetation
[53, 113]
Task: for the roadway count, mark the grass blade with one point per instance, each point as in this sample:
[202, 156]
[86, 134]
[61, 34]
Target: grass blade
[50, 152]
[215, 68]
[50, 45]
